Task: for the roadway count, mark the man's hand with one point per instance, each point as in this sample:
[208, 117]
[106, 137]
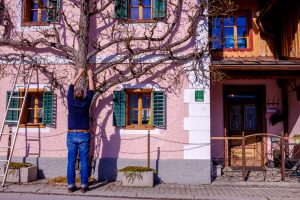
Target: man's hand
[91, 82]
[90, 72]
[80, 71]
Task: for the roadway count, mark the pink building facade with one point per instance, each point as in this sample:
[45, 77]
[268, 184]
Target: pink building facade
[259, 97]
[174, 110]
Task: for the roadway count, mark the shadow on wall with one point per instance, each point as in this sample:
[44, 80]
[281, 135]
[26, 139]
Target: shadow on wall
[105, 146]
[110, 145]
[108, 167]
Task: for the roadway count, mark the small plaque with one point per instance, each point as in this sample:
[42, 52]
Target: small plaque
[238, 153]
[199, 95]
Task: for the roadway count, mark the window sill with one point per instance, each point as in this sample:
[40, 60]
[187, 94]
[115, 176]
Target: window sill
[24, 24]
[140, 21]
[32, 125]
[124, 131]
[233, 49]
[139, 128]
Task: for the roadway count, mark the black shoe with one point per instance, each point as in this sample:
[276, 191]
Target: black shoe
[84, 190]
[72, 189]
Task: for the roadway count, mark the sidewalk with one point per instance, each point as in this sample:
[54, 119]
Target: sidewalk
[216, 190]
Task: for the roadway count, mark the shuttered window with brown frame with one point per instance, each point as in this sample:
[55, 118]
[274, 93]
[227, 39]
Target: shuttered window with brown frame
[38, 109]
[139, 109]
[140, 11]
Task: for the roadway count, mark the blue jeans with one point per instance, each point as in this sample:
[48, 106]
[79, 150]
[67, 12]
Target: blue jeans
[78, 141]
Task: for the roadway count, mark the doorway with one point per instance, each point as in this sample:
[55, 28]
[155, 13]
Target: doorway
[244, 109]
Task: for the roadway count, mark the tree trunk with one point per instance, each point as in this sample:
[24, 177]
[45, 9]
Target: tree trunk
[83, 41]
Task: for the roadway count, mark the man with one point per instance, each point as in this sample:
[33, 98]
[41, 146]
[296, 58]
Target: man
[78, 137]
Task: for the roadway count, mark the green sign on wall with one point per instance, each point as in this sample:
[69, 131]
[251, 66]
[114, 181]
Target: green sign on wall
[199, 95]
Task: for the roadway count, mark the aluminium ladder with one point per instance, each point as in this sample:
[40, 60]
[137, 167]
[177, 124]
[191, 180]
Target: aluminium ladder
[10, 148]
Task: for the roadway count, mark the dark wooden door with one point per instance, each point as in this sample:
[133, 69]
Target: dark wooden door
[244, 111]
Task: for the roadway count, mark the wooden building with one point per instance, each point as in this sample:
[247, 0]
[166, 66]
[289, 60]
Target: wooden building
[258, 50]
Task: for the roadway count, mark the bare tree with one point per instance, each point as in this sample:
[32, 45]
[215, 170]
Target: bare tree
[87, 32]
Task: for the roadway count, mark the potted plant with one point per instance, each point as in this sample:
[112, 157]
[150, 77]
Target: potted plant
[296, 139]
[137, 176]
[21, 172]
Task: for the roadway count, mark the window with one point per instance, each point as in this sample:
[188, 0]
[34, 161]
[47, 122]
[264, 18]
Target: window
[139, 108]
[230, 32]
[40, 12]
[33, 113]
[140, 10]
[38, 108]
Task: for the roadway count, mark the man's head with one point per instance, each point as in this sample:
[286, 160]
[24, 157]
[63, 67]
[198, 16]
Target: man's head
[78, 93]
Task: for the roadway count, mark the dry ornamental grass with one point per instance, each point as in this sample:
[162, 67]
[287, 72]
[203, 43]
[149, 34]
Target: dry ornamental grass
[63, 180]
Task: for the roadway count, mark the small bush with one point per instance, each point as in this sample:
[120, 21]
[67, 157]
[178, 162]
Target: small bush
[136, 169]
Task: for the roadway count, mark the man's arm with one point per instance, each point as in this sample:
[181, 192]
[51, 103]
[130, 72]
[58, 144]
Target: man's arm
[77, 77]
[91, 81]
[90, 93]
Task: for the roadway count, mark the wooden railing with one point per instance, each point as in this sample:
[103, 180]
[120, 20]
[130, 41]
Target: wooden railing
[284, 150]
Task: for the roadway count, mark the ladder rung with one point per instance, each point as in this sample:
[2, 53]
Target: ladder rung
[17, 97]
[33, 140]
[3, 160]
[6, 147]
[11, 121]
[23, 74]
[2, 175]
[14, 109]
[8, 134]
[34, 154]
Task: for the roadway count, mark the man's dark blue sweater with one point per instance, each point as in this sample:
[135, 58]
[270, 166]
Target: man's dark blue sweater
[79, 110]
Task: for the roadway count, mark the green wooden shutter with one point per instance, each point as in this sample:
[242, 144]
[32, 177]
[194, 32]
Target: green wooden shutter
[119, 108]
[48, 108]
[159, 112]
[159, 9]
[2, 10]
[53, 11]
[12, 115]
[121, 9]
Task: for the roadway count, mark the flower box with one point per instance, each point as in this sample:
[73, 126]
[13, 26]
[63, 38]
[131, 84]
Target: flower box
[296, 139]
[22, 174]
[137, 176]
